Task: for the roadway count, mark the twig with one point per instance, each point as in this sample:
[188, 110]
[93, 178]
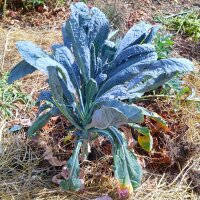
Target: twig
[4, 51]
[164, 96]
[174, 15]
[4, 8]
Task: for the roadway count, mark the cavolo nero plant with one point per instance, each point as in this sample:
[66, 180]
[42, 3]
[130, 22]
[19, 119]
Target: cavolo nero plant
[89, 77]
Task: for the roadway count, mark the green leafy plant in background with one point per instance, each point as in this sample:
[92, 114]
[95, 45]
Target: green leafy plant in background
[163, 44]
[33, 3]
[89, 77]
[9, 96]
[184, 23]
[176, 87]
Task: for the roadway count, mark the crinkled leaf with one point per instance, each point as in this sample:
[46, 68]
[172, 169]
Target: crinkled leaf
[133, 54]
[135, 35]
[93, 65]
[93, 22]
[65, 57]
[39, 59]
[126, 71]
[100, 29]
[158, 73]
[91, 89]
[20, 70]
[80, 46]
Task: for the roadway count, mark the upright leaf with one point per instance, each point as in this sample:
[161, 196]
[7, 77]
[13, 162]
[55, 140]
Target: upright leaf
[134, 36]
[91, 89]
[80, 46]
[57, 93]
[65, 57]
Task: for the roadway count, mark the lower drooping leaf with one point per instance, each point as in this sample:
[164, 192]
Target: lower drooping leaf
[132, 112]
[39, 123]
[146, 142]
[107, 116]
[143, 130]
[20, 70]
[128, 171]
[153, 116]
[73, 182]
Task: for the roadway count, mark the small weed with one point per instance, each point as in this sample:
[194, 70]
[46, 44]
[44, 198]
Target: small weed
[32, 3]
[163, 45]
[10, 97]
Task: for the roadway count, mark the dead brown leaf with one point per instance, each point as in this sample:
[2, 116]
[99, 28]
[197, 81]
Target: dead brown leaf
[129, 137]
[52, 160]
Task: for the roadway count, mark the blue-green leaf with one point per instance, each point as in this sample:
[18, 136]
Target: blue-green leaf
[115, 113]
[20, 70]
[158, 73]
[92, 90]
[39, 59]
[107, 116]
[137, 54]
[65, 57]
[132, 112]
[40, 122]
[73, 182]
[57, 93]
[134, 36]
[80, 46]
[128, 171]
[100, 29]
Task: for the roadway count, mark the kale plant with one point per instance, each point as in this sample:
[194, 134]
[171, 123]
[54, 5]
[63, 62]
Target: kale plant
[89, 77]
